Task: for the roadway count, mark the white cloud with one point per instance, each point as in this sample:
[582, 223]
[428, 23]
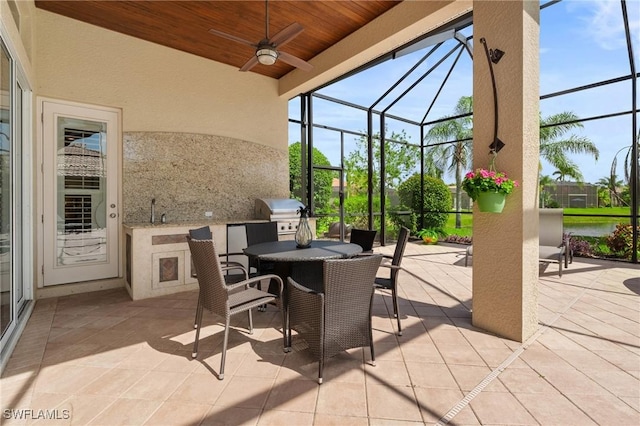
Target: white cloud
[603, 22]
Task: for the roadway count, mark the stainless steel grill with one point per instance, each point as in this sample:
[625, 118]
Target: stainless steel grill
[281, 210]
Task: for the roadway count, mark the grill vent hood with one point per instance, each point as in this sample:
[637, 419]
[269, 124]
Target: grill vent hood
[272, 208]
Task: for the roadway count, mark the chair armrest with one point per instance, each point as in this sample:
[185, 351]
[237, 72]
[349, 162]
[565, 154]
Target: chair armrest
[231, 254]
[231, 266]
[257, 279]
[389, 265]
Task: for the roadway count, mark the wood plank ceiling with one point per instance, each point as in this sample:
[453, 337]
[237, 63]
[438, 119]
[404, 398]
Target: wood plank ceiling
[184, 25]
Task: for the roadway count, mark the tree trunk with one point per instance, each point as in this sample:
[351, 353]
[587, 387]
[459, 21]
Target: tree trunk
[458, 195]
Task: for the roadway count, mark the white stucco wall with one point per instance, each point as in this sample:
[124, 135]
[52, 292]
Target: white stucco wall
[159, 89]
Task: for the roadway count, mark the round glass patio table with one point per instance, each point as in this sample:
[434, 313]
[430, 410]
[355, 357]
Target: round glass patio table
[286, 251]
[304, 265]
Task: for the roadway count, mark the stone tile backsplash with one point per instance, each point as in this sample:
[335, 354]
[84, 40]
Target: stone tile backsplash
[190, 174]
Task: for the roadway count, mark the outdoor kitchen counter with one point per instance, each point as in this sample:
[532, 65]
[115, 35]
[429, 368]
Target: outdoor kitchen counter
[157, 258]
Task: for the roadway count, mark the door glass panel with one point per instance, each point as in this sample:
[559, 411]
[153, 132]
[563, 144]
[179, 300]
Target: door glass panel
[18, 282]
[81, 192]
[6, 287]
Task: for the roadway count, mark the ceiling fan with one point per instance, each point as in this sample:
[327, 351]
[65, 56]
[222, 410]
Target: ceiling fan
[267, 49]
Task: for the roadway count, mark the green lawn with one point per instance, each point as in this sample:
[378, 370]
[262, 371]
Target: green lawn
[467, 219]
[611, 211]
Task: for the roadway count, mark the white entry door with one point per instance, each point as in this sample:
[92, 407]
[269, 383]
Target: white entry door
[80, 192]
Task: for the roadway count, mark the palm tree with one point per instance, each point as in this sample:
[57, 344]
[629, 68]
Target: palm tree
[565, 171]
[457, 156]
[628, 159]
[611, 184]
[555, 146]
[544, 182]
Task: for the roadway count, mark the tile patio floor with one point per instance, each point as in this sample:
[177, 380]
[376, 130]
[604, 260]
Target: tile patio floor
[108, 360]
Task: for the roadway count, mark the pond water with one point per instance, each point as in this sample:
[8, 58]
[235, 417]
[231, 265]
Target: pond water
[590, 229]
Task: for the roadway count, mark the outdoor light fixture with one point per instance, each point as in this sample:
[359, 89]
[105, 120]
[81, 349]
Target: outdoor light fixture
[267, 56]
[493, 57]
[496, 55]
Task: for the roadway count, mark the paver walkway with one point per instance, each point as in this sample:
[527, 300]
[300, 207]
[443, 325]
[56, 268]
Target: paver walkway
[102, 359]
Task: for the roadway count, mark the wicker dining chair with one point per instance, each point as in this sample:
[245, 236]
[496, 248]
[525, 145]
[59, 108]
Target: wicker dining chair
[227, 266]
[257, 233]
[364, 238]
[391, 283]
[338, 317]
[222, 299]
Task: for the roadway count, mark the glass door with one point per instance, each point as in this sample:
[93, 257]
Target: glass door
[81, 174]
[7, 291]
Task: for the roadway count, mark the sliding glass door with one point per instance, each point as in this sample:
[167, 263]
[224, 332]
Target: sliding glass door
[12, 284]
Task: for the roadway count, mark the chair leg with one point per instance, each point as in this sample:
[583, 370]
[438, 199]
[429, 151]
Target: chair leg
[286, 332]
[396, 309]
[373, 354]
[250, 322]
[198, 326]
[224, 348]
[195, 322]
[320, 369]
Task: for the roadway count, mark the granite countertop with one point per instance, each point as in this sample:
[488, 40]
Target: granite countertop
[188, 224]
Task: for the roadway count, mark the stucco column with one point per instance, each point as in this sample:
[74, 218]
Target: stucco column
[505, 245]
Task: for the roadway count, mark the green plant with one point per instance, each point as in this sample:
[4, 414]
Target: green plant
[322, 179]
[483, 180]
[430, 235]
[621, 240]
[436, 201]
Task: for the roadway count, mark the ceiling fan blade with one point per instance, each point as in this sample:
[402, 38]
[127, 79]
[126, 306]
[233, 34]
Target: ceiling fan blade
[232, 37]
[286, 35]
[296, 62]
[250, 63]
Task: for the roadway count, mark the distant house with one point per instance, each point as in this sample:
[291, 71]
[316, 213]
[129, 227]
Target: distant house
[465, 203]
[573, 194]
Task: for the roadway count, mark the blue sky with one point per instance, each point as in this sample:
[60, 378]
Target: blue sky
[581, 42]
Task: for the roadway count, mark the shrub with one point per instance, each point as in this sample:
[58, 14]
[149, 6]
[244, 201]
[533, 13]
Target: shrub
[437, 199]
[458, 239]
[552, 204]
[356, 211]
[620, 242]
[580, 247]
[322, 179]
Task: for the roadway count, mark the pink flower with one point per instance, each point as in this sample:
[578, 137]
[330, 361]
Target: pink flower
[484, 173]
[469, 175]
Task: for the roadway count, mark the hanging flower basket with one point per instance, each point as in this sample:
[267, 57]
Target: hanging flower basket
[488, 188]
[491, 202]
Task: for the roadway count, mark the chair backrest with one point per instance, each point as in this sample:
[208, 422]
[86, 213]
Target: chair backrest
[403, 238]
[213, 294]
[550, 227]
[363, 237]
[261, 232]
[334, 230]
[203, 233]
[348, 291]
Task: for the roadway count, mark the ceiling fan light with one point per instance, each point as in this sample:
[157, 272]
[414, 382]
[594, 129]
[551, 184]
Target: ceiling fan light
[267, 56]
